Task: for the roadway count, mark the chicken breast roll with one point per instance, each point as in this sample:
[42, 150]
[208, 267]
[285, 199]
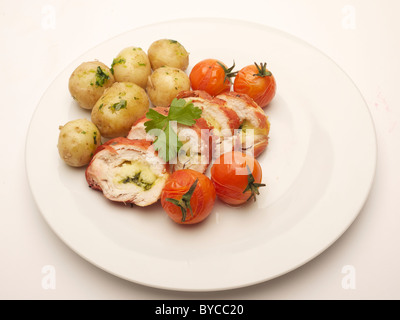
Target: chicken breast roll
[138, 130]
[254, 124]
[127, 171]
[221, 119]
[195, 152]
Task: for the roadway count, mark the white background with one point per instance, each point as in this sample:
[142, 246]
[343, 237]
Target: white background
[40, 38]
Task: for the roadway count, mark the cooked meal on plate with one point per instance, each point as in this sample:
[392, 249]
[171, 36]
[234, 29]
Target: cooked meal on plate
[157, 133]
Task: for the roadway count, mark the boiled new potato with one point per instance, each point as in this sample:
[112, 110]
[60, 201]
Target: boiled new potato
[77, 141]
[165, 83]
[132, 65]
[170, 53]
[88, 82]
[118, 108]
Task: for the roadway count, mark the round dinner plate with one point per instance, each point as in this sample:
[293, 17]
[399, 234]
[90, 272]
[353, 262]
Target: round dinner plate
[319, 167]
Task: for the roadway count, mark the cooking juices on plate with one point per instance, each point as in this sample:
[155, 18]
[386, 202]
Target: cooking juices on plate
[164, 128]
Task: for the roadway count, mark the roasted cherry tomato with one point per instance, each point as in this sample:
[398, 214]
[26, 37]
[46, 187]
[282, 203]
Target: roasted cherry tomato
[188, 196]
[212, 76]
[236, 177]
[257, 82]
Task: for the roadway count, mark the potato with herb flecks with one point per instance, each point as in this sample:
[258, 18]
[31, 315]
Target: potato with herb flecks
[170, 53]
[131, 65]
[118, 108]
[165, 83]
[77, 141]
[88, 82]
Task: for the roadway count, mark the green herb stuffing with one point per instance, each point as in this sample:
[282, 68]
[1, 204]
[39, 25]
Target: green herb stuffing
[167, 143]
[136, 179]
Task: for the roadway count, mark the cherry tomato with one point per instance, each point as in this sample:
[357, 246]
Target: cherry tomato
[212, 76]
[236, 177]
[257, 82]
[188, 196]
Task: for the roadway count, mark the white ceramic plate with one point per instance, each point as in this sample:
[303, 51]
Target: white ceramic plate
[319, 167]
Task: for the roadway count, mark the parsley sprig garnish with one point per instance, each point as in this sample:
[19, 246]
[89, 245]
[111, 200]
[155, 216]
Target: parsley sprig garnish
[167, 143]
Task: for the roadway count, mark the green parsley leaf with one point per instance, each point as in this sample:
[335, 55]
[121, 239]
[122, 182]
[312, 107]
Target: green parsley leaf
[118, 106]
[167, 143]
[184, 113]
[116, 61]
[158, 121]
[101, 77]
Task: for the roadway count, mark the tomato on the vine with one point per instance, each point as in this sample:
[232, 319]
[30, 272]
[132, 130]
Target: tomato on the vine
[212, 76]
[236, 177]
[257, 82]
[188, 196]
